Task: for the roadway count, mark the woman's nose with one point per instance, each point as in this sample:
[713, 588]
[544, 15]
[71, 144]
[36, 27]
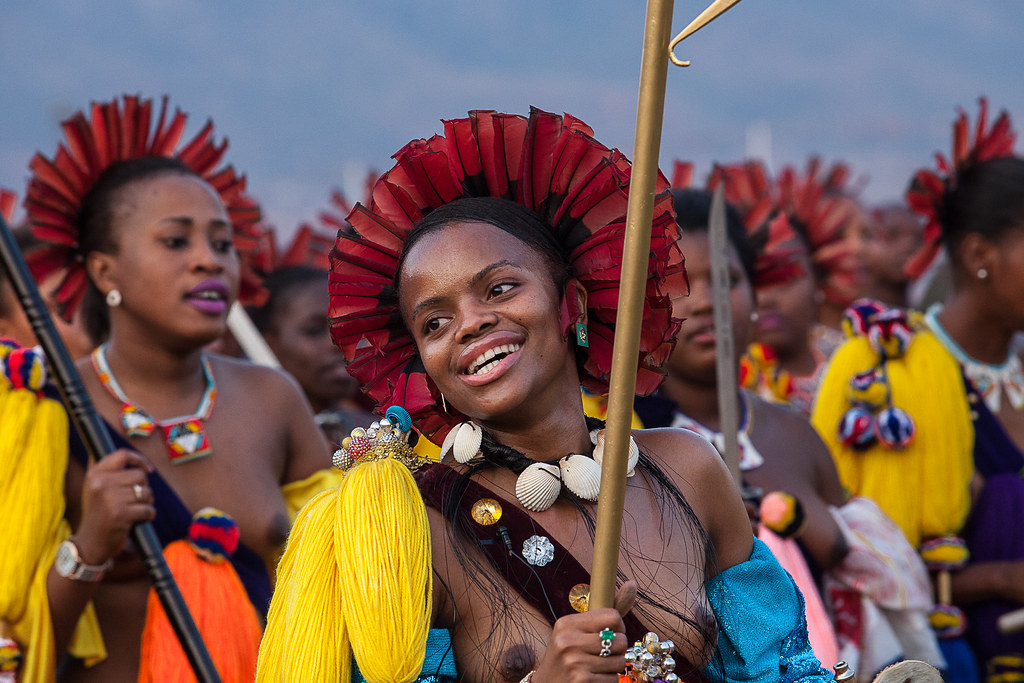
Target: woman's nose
[474, 319]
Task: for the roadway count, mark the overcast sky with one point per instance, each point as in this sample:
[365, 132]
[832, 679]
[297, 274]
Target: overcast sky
[312, 94]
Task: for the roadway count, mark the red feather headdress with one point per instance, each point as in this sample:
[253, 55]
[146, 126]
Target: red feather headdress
[821, 204]
[116, 131]
[547, 163]
[928, 188]
[7, 202]
[748, 188]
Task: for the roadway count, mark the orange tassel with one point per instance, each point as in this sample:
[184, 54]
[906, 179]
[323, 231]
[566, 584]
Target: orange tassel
[218, 602]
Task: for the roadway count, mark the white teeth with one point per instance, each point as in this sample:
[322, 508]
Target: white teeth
[480, 366]
[210, 295]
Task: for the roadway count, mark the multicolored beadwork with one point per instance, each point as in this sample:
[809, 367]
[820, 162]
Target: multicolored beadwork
[185, 437]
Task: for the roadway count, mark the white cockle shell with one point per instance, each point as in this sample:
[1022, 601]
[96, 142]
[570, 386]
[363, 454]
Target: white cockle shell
[538, 486]
[463, 442]
[581, 475]
[467, 442]
[634, 453]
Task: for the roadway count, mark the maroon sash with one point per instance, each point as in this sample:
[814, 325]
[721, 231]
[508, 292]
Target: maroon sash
[545, 588]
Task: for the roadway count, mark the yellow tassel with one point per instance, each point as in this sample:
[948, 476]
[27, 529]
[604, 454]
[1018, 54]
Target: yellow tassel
[305, 639]
[356, 570]
[223, 613]
[383, 553]
[925, 486]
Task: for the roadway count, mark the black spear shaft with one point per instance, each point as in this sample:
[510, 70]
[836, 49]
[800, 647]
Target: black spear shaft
[96, 438]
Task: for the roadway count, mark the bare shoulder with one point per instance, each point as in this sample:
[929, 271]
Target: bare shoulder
[700, 474]
[259, 382]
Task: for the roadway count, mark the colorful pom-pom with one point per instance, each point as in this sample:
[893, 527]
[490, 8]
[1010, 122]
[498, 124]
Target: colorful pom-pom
[868, 389]
[894, 428]
[399, 416]
[213, 534]
[948, 621]
[945, 553]
[890, 334]
[10, 660]
[857, 318]
[783, 514]
[857, 428]
[24, 368]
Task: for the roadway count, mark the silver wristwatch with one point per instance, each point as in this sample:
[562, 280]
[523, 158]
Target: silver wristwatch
[68, 564]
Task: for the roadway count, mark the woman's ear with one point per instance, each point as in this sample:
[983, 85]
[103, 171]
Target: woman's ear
[101, 269]
[977, 254]
[573, 308]
[574, 287]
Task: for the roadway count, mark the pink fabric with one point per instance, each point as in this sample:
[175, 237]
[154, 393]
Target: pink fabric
[819, 627]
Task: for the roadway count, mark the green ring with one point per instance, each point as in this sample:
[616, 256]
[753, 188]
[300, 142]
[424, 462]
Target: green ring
[607, 634]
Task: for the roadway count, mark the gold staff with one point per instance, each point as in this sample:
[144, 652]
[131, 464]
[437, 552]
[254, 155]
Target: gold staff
[639, 213]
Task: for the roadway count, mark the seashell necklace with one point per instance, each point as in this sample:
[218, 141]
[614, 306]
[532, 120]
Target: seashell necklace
[540, 483]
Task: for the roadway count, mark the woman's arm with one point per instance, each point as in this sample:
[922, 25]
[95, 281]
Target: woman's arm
[982, 581]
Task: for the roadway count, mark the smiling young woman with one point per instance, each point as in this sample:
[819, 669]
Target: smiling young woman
[480, 293]
[144, 233]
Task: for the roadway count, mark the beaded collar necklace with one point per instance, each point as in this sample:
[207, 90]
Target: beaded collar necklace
[990, 380]
[750, 457]
[185, 437]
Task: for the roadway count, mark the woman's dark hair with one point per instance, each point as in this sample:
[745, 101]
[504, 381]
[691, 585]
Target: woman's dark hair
[515, 219]
[281, 285]
[95, 220]
[693, 213]
[986, 198]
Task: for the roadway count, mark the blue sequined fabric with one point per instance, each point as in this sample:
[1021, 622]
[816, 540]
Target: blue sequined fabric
[762, 628]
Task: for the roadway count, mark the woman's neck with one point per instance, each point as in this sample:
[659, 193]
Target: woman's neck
[554, 435]
[698, 401]
[983, 337]
[153, 365]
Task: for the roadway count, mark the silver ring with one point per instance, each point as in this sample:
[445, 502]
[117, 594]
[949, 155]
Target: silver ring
[139, 491]
[607, 636]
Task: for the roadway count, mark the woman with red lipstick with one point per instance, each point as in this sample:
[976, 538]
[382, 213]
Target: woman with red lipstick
[480, 293]
[144, 230]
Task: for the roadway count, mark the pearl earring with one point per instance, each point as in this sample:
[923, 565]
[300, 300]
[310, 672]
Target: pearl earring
[754, 316]
[982, 273]
[114, 298]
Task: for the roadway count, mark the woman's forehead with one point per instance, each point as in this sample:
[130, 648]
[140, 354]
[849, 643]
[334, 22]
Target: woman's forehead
[465, 245]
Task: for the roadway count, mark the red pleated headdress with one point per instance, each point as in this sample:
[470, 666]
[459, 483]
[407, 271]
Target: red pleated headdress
[118, 131]
[551, 165]
[927, 190]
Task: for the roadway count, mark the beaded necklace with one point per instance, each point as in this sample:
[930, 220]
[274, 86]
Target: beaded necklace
[185, 437]
[990, 380]
[750, 457]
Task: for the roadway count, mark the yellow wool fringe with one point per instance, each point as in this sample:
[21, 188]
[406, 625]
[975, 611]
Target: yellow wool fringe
[354, 580]
[223, 613]
[925, 487]
[383, 553]
[33, 458]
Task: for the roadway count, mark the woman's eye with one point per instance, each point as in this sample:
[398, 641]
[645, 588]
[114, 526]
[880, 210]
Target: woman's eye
[175, 242]
[436, 323]
[223, 246]
[498, 290]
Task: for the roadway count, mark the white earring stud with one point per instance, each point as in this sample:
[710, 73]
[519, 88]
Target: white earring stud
[114, 298]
